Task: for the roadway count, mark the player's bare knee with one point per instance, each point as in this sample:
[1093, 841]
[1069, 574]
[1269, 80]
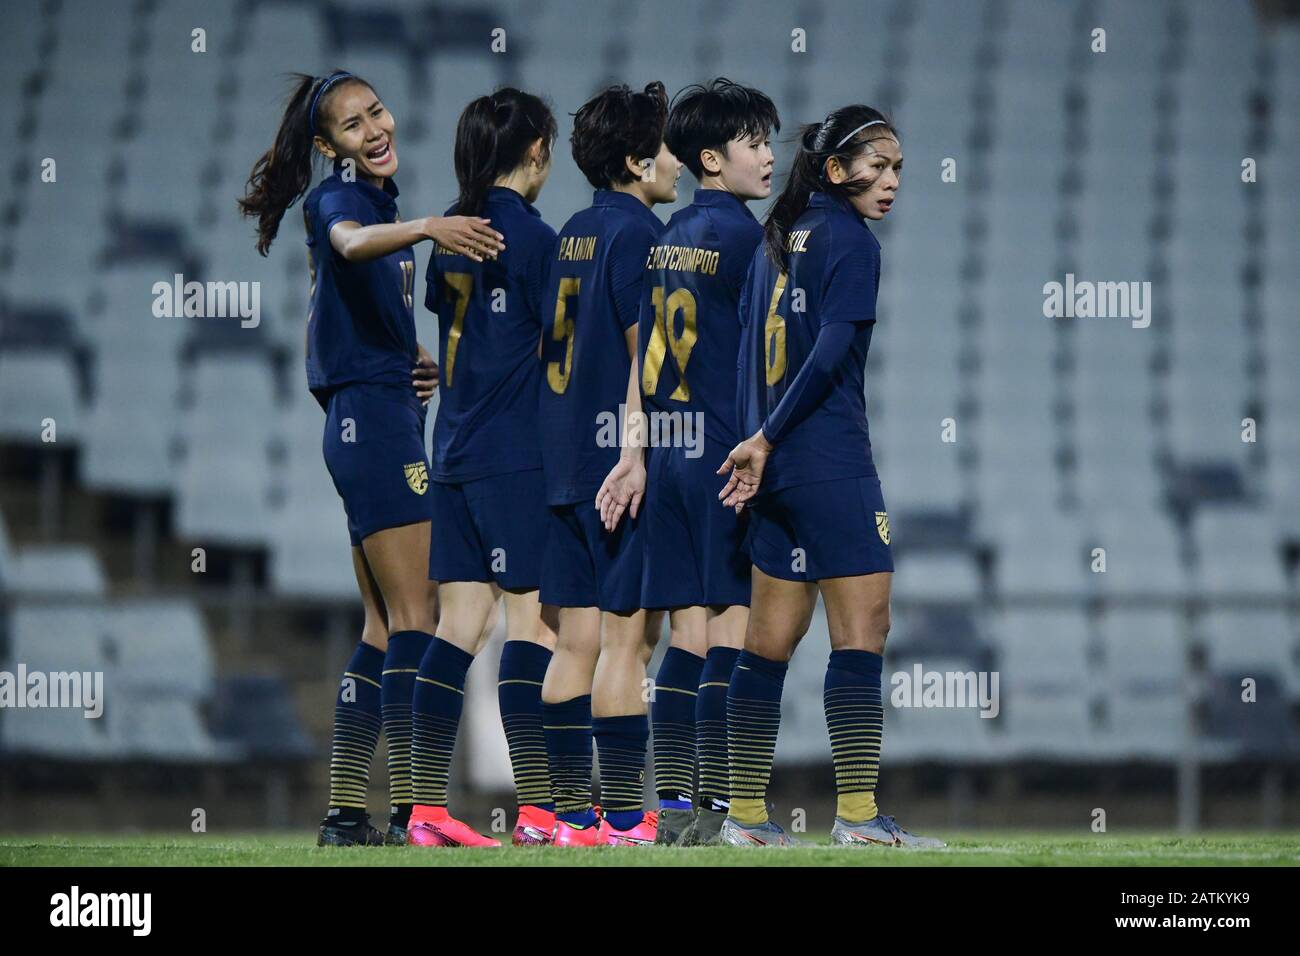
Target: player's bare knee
[622, 643]
[690, 642]
[545, 635]
[690, 635]
[771, 643]
[412, 615]
[432, 607]
[726, 627]
[375, 633]
[866, 633]
[577, 647]
[647, 651]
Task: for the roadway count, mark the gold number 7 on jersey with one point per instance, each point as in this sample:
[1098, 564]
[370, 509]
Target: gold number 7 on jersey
[463, 283]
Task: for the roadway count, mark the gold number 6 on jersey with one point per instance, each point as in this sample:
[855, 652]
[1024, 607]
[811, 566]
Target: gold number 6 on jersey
[774, 327]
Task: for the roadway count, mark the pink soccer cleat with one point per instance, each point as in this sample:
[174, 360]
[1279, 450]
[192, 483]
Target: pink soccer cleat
[643, 834]
[566, 834]
[439, 828]
[423, 834]
[534, 826]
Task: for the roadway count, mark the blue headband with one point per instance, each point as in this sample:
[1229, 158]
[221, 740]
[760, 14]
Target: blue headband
[315, 100]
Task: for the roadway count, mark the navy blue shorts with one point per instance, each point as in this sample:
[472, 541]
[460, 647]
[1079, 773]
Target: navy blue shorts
[827, 529]
[586, 566]
[694, 548]
[374, 450]
[490, 529]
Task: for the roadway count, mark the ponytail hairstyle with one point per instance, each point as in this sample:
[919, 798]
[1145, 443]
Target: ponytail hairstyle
[492, 139]
[615, 124]
[282, 174]
[845, 134]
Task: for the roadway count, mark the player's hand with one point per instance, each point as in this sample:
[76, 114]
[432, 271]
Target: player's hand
[468, 235]
[622, 490]
[745, 462]
[425, 375]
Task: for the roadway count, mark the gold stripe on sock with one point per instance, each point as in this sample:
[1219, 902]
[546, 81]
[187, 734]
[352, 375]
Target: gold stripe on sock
[749, 812]
[856, 807]
[437, 683]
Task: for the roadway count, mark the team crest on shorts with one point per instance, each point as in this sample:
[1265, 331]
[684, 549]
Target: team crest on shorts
[417, 476]
[882, 526]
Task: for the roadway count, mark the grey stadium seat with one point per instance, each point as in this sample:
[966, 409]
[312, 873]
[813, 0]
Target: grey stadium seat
[224, 482]
[35, 386]
[58, 639]
[56, 569]
[1147, 683]
[1045, 683]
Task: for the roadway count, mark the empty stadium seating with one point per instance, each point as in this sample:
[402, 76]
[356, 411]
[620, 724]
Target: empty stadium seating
[1070, 433]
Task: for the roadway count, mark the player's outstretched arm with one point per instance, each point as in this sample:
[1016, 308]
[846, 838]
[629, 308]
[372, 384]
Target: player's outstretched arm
[468, 235]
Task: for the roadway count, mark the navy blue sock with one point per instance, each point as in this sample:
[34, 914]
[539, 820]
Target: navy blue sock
[435, 719]
[672, 717]
[621, 743]
[401, 663]
[855, 718]
[753, 721]
[356, 732]
[711, 727]
[519, 693]
[567, 726]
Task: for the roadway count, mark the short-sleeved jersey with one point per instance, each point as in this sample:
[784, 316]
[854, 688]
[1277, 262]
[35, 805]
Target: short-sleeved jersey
[593, 294]
[689, 332]
[361, 327]
[833, 274]
[490, 320]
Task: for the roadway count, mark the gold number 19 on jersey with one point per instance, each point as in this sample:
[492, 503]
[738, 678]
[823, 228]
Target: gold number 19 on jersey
[664, 336]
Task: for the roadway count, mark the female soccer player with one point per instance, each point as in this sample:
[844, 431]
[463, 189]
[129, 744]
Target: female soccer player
[593, 687]
[488, 495]
[818, 520]
[361, 357]
[696, 564]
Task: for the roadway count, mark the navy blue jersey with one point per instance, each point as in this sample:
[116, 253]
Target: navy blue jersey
[689, 333]
[833, 274]
[592, 297]
[489, 323]
[361, 327]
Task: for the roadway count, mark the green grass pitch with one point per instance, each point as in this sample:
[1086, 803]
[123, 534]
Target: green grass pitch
[968, 849]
